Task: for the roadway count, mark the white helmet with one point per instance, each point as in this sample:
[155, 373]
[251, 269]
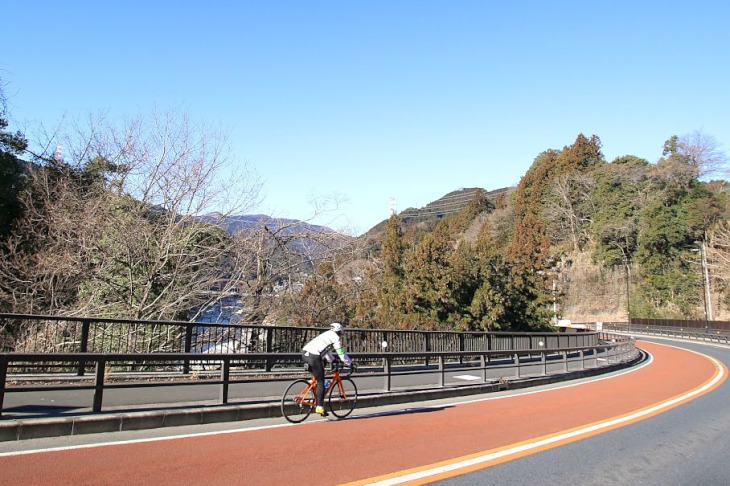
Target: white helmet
[337, 327]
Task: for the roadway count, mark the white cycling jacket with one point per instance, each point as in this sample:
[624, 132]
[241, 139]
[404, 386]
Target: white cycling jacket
[326, 342]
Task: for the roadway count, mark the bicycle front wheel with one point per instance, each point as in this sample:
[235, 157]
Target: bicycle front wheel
[298, 401]
[342, 398]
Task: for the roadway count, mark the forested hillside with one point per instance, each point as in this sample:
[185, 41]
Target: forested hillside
[595, 240]
[134, 220]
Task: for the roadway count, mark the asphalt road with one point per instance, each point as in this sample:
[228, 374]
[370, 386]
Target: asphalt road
[687, 445]
[662, 423]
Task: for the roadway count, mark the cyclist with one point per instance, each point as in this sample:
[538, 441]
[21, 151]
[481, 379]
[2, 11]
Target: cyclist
[316, 351]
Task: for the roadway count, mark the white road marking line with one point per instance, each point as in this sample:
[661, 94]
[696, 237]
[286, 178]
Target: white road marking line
[467, 377]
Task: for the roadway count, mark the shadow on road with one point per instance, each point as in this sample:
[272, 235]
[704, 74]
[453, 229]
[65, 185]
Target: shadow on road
[37, 411]
[405, 411]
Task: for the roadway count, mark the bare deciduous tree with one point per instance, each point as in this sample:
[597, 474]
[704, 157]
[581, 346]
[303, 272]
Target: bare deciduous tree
[567, 207]
[127, 224]
[718, 251]
[703, 151]
[281, 258]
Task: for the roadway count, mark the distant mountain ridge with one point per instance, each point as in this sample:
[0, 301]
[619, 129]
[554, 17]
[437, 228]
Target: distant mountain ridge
[288, 226]
[239, 222]
[451, 203]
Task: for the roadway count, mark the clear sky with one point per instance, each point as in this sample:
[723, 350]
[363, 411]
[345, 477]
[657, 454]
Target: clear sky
[381, 99]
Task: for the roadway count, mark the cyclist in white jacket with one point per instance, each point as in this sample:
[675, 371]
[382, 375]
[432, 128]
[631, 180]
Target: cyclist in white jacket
[317, 350]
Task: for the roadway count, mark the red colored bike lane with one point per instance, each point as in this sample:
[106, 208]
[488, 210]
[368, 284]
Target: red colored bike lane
[371, 446]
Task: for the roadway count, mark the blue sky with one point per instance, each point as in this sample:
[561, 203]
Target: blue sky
[378, 99]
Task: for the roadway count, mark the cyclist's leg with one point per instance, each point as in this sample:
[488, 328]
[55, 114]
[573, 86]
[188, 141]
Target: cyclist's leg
[317, 369]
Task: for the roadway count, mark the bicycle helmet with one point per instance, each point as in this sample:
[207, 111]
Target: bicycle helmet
[337, 327]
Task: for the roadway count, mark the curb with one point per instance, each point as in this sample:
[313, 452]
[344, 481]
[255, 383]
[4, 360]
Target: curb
[23, 429]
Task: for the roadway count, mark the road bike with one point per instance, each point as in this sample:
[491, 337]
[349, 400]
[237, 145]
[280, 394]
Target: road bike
[300, 397]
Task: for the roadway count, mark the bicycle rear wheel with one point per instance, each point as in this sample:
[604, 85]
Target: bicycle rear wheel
[341, 400]
[296, 405]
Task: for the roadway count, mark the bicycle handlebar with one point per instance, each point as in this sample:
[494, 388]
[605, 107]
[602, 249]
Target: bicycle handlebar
[339, 365]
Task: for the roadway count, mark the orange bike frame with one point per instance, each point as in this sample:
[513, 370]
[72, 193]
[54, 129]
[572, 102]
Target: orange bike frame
[313, 386]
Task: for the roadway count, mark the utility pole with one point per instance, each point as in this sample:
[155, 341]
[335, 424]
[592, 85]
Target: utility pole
[628, 293]
[706, 283]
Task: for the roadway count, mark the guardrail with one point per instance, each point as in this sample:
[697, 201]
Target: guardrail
[24, 333]
[684, 323]
[692, 333]
[617, 350]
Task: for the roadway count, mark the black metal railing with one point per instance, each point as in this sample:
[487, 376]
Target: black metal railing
[682, 323]
[63, 334]
[698, 333]
[612, 349]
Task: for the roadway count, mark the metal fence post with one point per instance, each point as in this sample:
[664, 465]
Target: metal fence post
[483, 365]
[188, 346]
[99, 384]
[517, 365]
[3, 376]
[427, 345]
[386, 362]
[386, 372]
[225, 377]
[461, 348]
[490, 346]
[543, 360]
[441, 371]
[269, 347]
[84, 346]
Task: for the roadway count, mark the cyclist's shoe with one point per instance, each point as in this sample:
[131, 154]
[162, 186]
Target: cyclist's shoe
[320, 410]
